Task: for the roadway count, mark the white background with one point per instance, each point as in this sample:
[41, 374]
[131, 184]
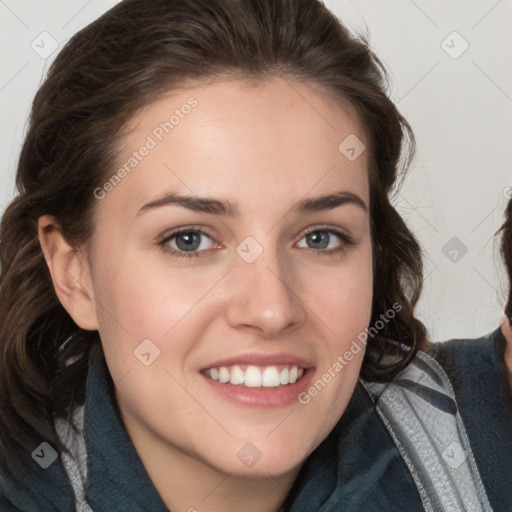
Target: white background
[460, 109]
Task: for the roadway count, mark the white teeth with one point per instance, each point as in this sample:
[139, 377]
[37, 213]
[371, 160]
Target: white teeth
[270, 377]
[223, 375]
[237, 376]
[254, 376]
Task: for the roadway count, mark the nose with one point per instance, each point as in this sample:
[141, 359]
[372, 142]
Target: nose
[264, 298]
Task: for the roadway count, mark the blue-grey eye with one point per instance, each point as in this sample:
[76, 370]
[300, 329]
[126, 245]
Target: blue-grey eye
[321, 239]
[189, 241]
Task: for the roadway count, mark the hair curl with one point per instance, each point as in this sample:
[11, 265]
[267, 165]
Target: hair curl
[506, 252]
[106, 73]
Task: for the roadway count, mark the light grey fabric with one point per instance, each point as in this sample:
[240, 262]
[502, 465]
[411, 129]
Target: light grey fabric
[421, 415]
[76, 463]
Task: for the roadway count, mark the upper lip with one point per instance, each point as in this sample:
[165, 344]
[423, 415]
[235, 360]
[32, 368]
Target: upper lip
[261, 360]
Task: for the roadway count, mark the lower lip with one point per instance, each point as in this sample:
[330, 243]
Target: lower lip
[281, 396]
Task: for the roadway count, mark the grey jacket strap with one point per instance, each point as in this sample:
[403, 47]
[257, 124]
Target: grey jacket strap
[420, 412]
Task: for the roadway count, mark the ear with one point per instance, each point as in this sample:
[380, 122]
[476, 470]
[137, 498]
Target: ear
[70, 272]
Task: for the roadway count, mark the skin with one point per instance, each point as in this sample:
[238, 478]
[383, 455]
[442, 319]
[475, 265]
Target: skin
[263, 148]
[507, 333]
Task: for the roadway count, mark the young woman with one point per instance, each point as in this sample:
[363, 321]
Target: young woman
[204, 283]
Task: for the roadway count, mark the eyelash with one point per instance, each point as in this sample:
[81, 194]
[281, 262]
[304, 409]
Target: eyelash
[344, 237]
[182, 254]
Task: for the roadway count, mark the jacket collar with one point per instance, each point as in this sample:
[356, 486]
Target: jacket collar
[116, 477]
[357, 467]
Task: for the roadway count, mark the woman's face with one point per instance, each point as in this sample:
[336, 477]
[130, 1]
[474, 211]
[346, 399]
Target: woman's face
[231, 270]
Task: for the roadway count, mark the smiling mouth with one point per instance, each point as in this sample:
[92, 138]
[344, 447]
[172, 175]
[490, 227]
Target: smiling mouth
[251, 376]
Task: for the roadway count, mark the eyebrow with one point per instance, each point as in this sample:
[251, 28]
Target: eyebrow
[227, 208]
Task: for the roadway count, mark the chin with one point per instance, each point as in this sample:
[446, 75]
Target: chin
[260, 458]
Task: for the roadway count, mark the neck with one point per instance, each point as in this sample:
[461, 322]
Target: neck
[187, 483]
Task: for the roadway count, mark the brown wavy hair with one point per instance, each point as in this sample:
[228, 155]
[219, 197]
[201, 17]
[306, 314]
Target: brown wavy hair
[506, 252]
[105, 74]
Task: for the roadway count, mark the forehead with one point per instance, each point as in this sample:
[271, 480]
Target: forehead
[279, 138]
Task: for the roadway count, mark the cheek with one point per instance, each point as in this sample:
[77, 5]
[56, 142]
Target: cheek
[160, 303]
[343, 299]
[148, 300]
[343, 302]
